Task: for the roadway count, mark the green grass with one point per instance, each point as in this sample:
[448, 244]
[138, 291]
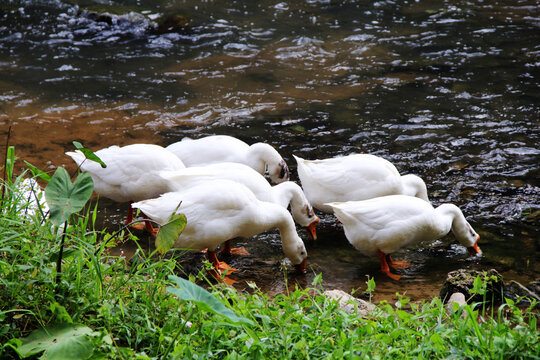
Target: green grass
[134, 316]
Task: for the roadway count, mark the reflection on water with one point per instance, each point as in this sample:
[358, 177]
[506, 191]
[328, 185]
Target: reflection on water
[447, 90]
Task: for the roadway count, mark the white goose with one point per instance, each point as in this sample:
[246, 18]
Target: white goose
[282, 194]
[132, 173]
[223, 148]
[354, 177]
[385, 224]
[221, 210]
[30, 198]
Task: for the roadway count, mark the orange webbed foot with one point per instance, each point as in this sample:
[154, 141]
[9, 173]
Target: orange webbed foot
[234, 251]
[399, 264]
[392, 276]
[221, 273]
[138, 226]
[225, 268]
[228, 281]
[227, 249]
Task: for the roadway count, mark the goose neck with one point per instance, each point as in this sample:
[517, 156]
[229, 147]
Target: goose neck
[414, 186]
[285, 193]
[257, 155]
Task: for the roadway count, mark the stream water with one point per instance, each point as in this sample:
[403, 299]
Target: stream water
[447, 90]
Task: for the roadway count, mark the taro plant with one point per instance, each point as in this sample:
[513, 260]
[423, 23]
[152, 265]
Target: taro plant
[170, 231]
[65, 199]
[205, 302]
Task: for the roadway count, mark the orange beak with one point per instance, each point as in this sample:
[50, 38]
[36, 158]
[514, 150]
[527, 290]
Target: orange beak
[312, 232]
[301, 268]
[473, 250]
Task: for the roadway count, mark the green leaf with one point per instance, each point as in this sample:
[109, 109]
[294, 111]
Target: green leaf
[370, 285]
[38, 172]
[170, 231]
[63, 341]
[66, 253]
[478, 286]
[188, 291]
[66, 198]
[10, 164]
[89, 154]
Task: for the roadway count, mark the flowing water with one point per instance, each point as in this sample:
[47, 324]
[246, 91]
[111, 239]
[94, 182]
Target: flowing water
[447, 90]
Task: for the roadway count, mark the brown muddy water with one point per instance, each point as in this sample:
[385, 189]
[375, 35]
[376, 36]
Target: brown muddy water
[447, 90]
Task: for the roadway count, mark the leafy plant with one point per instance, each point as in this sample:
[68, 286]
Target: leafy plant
[370, 286]
[188, 291]
[66, 198]
[170, 231]
[89, 154]
[36, 172]
[62, 341]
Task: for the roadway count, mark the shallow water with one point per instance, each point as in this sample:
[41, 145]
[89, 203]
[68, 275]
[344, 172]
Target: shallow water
[447, 90]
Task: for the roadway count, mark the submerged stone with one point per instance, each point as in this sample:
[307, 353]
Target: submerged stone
[173, 23]
[462, 281]
[130, 19]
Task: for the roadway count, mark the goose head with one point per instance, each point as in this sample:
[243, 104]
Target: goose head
[464, 232]
[295, 250]
[468, 238]
[265, 155]
[278, 172]
[305, 216]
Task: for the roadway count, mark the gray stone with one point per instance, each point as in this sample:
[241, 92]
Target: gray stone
[455, 298]
[349, 303]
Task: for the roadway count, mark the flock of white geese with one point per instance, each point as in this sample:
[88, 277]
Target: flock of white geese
[223, 193]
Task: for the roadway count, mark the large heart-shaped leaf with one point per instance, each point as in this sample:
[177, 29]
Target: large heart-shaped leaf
[186, 290]
[63, 341]
[66, 198]
[169, 232]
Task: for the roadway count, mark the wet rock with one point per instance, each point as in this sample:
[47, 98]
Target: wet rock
[515, 291]
[173, 23]
[349, 303]
[462, 281]
[534, 287]
[126, 17]
[533, 217]
[130, 19]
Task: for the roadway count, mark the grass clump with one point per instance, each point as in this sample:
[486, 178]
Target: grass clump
[105, 308]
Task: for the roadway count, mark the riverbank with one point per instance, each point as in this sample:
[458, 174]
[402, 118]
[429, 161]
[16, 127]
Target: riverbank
[103, 307]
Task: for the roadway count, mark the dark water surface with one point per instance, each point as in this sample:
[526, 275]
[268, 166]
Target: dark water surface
[447, 90]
